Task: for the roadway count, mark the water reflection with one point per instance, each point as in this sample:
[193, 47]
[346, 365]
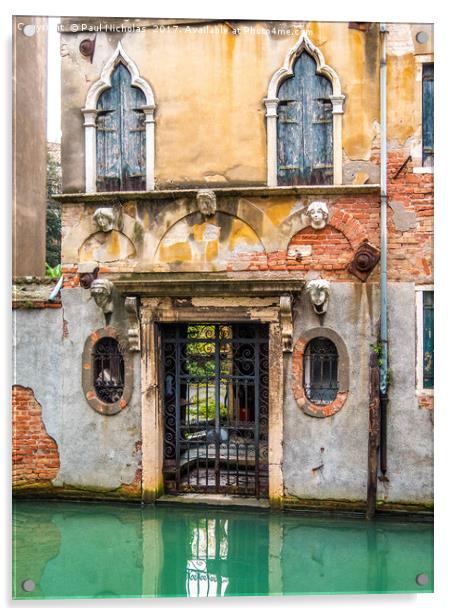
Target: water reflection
[88, 550]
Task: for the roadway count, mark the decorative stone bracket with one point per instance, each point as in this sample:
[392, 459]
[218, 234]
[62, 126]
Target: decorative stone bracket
[285, 305]
[133, 329]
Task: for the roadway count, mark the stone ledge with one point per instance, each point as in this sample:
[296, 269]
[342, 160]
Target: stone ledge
[238, 191]
[33, 292]
[211, 285]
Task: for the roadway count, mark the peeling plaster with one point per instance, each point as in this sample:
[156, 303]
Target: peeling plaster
[403, 219]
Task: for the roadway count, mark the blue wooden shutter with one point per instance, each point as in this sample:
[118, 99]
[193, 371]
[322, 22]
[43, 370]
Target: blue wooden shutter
[427, 360]
[121, 157]
[427, 114]
[305, 127]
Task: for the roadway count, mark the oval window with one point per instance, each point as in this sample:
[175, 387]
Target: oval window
[108, 370]
[320, 371]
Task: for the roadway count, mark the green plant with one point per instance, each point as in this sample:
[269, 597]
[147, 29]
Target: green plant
[53, 215]
[53, 272]
[377, 348]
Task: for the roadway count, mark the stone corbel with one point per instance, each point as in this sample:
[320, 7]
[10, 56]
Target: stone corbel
[133, 329]
[285, 311]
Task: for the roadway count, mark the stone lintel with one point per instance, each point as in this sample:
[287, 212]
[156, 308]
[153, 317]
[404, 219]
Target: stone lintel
[238, 191]
[192, 285]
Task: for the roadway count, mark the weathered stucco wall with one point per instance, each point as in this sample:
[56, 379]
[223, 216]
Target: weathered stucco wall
[410, 426]
[339, 472]
[210, 118]
[37, 349]
[326, 458]
[404, 60]
[266, 233]
[97, 453]
[100, 451]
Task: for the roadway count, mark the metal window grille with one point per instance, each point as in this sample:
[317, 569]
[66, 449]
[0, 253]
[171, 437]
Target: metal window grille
[320, 371]
[108, 370]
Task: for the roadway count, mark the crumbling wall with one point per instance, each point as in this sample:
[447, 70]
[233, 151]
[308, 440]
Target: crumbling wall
[35, 454]
[60, 444]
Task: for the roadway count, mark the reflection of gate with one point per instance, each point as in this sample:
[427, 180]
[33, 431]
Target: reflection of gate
[215, 382]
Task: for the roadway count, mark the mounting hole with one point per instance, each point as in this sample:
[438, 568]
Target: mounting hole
[422, 37]
[29, 30]
[422, 579]
[28, 585]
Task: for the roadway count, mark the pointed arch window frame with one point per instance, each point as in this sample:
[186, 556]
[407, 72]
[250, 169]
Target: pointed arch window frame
[286, 71]
[90, 117]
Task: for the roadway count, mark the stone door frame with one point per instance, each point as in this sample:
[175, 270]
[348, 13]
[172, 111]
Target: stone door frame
[270, 310]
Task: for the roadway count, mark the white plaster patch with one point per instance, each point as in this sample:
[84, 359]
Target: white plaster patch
[399, 40]
[179, 233]
[303, 251]
[248, 248]
[298, 206]
[211, 232]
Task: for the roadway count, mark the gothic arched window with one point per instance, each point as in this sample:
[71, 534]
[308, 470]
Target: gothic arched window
[305, 126]
[121, 135]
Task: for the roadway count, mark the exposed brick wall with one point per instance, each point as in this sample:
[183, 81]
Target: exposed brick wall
[354, 218]
[410, 255]
[35, 454]
[331, 251]
[426, 402]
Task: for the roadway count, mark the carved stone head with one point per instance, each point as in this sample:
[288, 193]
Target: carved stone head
[207, 202]
[319, 294]
[318, 214]
[102, 292]
[108, 219]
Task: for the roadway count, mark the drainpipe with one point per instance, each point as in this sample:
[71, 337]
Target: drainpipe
[384, 256]
[56, 289]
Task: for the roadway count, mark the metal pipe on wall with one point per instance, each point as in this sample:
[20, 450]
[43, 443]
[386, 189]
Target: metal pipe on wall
[384, 249]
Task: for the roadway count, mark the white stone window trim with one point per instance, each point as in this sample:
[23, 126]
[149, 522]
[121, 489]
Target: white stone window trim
[271, 102]
[420, 59]
[419, 290]
[421, 170]
[90, 117]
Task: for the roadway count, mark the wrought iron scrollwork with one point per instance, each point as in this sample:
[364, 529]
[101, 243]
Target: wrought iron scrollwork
[108, 370]
[216, 407]
[321, 370]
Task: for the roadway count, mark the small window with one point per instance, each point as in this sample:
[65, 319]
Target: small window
[108, 370]
[320, 371]
[427, 330]
[427, 115]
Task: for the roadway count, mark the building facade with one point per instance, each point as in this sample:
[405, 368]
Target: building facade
[219, 329]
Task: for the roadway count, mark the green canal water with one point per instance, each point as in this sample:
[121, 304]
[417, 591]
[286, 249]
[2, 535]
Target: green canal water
[75, 550]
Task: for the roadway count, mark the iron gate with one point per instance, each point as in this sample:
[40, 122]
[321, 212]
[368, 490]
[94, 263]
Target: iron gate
[215, 388]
